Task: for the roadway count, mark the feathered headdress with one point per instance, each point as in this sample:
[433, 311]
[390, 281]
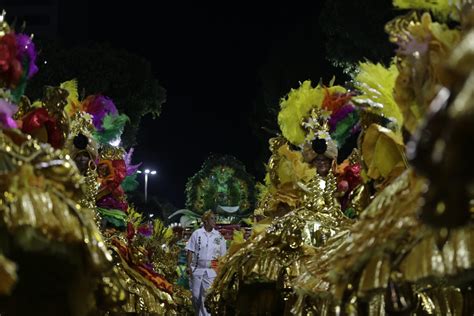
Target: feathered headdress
[80, 136]
[73, 104]
[324, 113]
[108, 122]
[17, 61]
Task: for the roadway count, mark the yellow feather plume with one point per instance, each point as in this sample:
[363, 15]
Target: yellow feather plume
[376, 84]
[237, 242]
[71, 87]
[37, 104]
[442, 9]
[448, 37]
[238, 237]
[133, 216]
[161, 232]
[73, 104]
[297, 105]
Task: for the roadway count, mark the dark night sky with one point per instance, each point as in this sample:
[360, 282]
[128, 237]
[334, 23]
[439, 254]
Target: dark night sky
[208, 58]
[215, 60]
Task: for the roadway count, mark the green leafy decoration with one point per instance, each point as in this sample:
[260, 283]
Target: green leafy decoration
[343, 129]
[224, 181]
[113, 126]
[130, 183]
[115, 217]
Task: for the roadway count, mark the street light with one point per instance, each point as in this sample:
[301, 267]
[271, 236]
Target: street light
[147, 172]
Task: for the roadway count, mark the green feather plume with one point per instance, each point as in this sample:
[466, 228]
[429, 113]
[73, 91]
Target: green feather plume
[114, 217]
[343, 129]
[130, 183]
[112, 128]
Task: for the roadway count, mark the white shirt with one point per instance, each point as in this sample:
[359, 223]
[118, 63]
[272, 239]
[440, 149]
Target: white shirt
[205, 246]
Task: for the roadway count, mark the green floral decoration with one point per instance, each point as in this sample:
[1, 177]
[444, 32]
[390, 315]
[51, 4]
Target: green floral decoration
[222, 180]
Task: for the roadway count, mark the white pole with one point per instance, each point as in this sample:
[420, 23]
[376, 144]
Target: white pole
[146, 187]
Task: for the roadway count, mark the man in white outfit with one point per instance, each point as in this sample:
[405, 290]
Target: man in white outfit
[204, 247]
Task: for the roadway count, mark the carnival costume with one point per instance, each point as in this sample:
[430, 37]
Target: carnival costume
[134, 285]
[41, 220]
[391, 262]
[257, 278]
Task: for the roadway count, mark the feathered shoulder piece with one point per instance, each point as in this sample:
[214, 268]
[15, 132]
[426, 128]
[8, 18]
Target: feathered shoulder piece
[442, 9]
[108, 122]
[376, 83]
[423, 46]
[73, 105]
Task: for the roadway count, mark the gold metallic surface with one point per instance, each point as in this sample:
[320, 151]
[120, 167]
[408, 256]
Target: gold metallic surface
[8, 276]
[388, 250]
[40, 188]
[108, 152]
[141, 295]
[274, 256]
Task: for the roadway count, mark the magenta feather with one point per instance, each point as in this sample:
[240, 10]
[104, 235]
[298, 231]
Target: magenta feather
[7, 110]
[339, 115]
[99, 106]
[131, 169]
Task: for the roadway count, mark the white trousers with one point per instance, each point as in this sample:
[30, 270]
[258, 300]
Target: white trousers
[199, 285]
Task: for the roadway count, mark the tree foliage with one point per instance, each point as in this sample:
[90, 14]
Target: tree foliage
[354, 31]
[124, 77]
